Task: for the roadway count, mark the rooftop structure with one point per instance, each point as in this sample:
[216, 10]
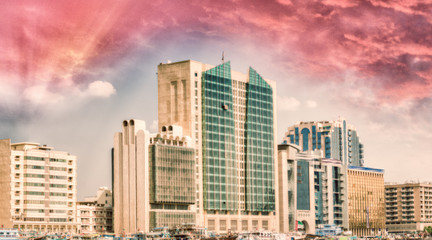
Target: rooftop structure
[337, 139]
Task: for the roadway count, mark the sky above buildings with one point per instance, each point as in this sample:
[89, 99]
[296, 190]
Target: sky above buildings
[70, 72]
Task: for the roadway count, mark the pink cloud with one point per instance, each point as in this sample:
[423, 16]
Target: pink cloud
[387, 44]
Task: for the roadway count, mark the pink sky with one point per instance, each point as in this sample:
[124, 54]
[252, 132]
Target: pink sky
[373, 56]
[388, 44]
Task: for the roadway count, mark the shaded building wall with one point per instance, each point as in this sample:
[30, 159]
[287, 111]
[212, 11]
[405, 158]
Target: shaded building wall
[5, 184]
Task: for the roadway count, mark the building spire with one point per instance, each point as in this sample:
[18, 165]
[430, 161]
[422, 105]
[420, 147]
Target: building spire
[223, 57]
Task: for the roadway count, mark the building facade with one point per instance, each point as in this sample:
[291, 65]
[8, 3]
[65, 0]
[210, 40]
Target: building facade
[153, 178]
[366, 208]
[312, 190]
[337, 139]
[331, 196]
[38, 188]
[231, 118]
[305, 197]
[94, 214]
[287, 184]
[408, 206]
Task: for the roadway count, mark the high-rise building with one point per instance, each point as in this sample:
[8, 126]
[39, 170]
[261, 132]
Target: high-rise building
[366, 208]
[38, 188]
[231, 118]
[153, 178]
[408, 206]
[337, 139]
[94, 214]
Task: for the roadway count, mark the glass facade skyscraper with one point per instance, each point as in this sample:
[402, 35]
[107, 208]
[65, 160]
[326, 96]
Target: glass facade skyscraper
[219, 161]
[230, 117]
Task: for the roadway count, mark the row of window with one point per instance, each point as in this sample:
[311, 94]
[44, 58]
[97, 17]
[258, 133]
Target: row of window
[43, 159]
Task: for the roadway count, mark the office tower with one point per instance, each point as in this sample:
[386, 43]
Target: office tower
[366, 209]
[311, 187]
[305, 197]
[331, 197]
[231, 118]
[153, 178]
[337, 139]
[408, 206]
[296, 189]
[38, 188]
[94, 214]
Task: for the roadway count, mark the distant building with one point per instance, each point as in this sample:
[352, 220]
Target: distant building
[408, 206]
[38, 188]
[94, 214]
[366, 208]
[231, 118]
[337, 139]
[153, 178]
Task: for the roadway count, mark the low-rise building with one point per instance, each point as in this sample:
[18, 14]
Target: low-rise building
[94, 214]
[38, 188]
[408, 206]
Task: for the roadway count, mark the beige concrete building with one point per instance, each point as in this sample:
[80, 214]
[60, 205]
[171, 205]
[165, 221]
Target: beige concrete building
[38, 188]
[231, 118]
[366, 208]
[408, 206]
[312, 190]
[287, 184]
[296, 189]
[153, 178]
[94, 214]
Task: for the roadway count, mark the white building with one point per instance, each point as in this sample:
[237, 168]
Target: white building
[94, 214]
[153, 178]
[38, 188]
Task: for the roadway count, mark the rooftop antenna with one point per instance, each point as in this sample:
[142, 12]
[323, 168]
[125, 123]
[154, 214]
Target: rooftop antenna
[223, 58]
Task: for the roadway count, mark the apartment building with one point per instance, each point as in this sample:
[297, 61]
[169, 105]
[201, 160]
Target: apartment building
[408, 206]
[38, 187]
[94, 214]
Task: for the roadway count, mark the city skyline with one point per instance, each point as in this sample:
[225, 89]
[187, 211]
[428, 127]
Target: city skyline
[71, 73]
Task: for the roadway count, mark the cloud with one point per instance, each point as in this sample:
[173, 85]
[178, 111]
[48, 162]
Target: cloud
[387, 44]
[311, 104]
[41, 95]
[288, 104]
[100, 89]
